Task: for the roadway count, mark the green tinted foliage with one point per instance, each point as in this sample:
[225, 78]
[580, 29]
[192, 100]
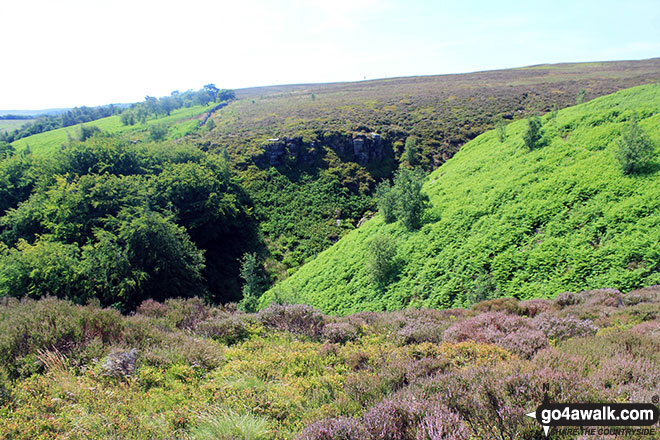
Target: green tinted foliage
[382, 251]
[136, 224]
[387, 201]
[411, 202]
[505, 221]
[635, 150]
[532, 136]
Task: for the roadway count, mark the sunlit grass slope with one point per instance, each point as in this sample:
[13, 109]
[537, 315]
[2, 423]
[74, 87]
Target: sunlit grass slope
[179, 122]
[506, 221]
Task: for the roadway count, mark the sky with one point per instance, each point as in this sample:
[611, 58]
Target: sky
[70, 53]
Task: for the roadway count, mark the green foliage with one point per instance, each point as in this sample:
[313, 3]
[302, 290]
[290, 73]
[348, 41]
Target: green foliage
[411, 152]
[505, 221]
[411, 202]
[581, 95]
[387, 201]
[158, 132]
[223, 423]
[532, 136]
[501, 131]
[635, 151]
[252, 282]
[288, 374]
[114, 222]
[381, 259]
[87, 131]
[404, 200]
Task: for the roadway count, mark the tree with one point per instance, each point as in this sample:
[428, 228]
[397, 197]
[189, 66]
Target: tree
[411, 202]
[252, 286]
[411, 153]
[380, 261]
[386, 200]
[532, 136]
[212, 90]
[635, 150]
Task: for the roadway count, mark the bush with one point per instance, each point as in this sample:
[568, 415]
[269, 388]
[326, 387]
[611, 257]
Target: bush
[533, 307]
[532, 136]
[158, 132]
[393, 419]
[514, 333]
[507, 305]
[342, 428]
[380, 261]
[226, 328]
[340, 332]
[635, 150]
[299, 319]
[560, 328]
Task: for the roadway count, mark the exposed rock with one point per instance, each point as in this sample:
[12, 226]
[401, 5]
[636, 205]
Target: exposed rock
[363, 148]
[120, 363]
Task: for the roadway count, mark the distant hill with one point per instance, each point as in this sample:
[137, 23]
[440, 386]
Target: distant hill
[444, 111]
[50, 111]
[507, 221]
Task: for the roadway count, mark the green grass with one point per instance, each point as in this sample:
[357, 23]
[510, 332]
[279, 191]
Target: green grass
[48, 142]
[508, 222]
[12, 124]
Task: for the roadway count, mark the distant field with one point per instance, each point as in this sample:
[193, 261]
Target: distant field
[12, 124]
[50, 141]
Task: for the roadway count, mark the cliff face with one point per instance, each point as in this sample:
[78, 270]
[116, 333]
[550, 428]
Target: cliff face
[362, 148]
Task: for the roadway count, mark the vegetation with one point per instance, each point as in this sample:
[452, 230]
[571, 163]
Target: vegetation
[108, 220]
[635, 151]
[183, 369]
[506, 221]
[78, 115]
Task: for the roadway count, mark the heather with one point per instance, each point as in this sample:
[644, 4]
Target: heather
[183, 368]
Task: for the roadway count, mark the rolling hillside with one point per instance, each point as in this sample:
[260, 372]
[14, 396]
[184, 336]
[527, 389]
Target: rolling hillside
[506, 221]
[444, 111]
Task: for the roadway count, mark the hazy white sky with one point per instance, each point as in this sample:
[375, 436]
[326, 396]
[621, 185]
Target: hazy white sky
[90, 52]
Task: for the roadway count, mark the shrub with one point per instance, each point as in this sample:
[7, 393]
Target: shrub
[560, 328]
[514, 333]
[300, 319]
[380, 261]
[226, 328]
[532, 136]
[635, 150]
[186, 313]
[439, 423]
[533, 307]
[342, 428]
[340, 332]
[158, 132]
[387, 200]
[393, 419]
[507, 305]
[566, 299]
[120, 364]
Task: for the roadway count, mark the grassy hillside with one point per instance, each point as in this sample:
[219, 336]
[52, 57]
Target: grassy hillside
[181, 122]
[507, 221]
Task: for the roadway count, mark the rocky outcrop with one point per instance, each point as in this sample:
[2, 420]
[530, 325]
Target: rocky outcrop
[362, 148]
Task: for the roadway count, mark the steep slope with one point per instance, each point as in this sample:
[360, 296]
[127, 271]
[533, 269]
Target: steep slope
[508, 221]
